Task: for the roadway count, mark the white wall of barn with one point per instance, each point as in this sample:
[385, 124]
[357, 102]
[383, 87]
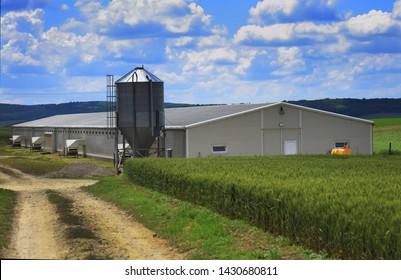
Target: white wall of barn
[272, 130]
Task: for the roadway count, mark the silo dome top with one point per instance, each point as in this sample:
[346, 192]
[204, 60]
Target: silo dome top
[139, 74]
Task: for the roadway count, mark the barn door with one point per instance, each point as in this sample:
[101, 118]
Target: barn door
[290, 147]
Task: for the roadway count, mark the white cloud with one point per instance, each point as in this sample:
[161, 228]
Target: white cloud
[13, 53]
[88, 8]
[269, 11]
[336, 75]
[272, 7]
[15, 23]
[206, 61]
[246, 58]
[24, 42]
[72, 24]
[289, 60]
[375, 22]
[128, 17]
[397, 9]
[65, 7]
[182, 41]
[199, 42]
[255, 33]
[378, 63]
[373, 32]
[288, 33]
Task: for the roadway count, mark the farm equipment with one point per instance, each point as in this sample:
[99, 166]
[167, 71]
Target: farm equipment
[17, 140]
[37, 143]
[72, 146]
[346, 150]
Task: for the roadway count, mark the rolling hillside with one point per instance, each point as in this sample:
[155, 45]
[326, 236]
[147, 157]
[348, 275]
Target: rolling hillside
[362, 108]
[12, 113]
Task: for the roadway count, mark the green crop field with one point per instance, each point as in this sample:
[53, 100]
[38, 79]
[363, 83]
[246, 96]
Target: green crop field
[5, 134]
[386, 131]
[347, 206]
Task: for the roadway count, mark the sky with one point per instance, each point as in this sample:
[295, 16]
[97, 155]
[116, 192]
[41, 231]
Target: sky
[205, 51]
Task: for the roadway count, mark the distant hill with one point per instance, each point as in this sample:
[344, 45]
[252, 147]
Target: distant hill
[361, 108]
[12, 113]
[364, 108]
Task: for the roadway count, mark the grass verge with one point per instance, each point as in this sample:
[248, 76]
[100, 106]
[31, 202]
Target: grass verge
[7, 203]
[193, 229]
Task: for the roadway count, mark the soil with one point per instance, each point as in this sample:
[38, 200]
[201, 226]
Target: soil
[82, 170]
[38, 232]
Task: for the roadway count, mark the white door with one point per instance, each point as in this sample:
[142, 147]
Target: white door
[290, 147]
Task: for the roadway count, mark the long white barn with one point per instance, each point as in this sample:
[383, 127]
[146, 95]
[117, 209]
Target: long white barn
[230, 130]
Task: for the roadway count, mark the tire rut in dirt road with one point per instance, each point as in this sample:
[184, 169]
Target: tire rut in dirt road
[120, 237]
[33, 237]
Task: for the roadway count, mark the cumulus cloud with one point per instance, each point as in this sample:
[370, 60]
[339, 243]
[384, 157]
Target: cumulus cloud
[270, 11]
[207, 61]
[375, 31]
[13, 24]
[289, 60]
[397, 9]
[246, 58]
[285, 34]
[72, 24]
[378, 63]
[145, 18]
[19, 37]
[373, 23]
[25, 42]
[15, 53]
[55, 44]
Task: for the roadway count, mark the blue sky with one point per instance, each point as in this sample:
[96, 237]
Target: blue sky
[205, 51]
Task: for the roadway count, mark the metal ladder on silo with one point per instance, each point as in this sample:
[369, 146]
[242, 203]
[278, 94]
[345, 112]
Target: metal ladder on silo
[111, 107]
[112, 128]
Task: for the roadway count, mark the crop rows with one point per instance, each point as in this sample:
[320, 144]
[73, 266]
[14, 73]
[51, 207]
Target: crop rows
[349, 207]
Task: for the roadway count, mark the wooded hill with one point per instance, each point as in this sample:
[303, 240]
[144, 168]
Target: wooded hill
[361, 108]
[364, 108]
[12, 113]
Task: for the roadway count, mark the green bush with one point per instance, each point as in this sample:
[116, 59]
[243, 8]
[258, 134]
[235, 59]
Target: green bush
[7, 202]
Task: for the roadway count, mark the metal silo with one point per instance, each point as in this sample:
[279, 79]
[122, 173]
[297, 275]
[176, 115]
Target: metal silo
[140, 109]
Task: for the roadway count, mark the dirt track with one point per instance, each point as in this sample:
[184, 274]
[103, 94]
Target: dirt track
[38, 234]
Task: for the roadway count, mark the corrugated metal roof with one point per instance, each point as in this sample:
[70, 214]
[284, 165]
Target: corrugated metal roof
[95, 120]
[174, 117]
[185, 116]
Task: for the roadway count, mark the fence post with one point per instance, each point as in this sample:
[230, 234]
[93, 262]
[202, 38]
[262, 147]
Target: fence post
[389, 148]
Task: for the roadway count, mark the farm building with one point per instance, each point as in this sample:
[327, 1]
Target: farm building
[224, 130]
